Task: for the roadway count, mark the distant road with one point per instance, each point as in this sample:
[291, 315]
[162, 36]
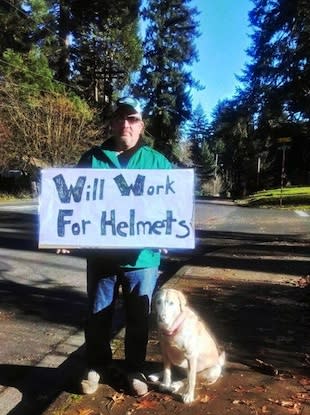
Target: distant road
[221, 215]
[26, 205]
[224, 216]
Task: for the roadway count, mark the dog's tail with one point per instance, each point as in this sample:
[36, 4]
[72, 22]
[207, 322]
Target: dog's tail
[213, 373]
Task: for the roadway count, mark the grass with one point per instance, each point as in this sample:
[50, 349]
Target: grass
[9, 197]
[288, 197]
[292, 198]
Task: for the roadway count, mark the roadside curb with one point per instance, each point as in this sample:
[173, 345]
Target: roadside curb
[12, 397]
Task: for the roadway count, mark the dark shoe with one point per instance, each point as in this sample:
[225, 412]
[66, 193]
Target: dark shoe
[137, 383]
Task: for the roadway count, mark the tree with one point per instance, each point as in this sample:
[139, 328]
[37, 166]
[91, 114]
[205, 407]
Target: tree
[106, 47]
[198, 133]
[91, 46]
[280, 70]
[26, 23]
[273, 101]
[15, 27]
[232, 137]
[44, 123]
[165, 79]
[277, 81]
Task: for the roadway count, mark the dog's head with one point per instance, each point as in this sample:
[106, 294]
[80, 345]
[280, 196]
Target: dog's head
[168, 304]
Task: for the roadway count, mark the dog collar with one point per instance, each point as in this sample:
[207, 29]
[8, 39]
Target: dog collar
[176, 326]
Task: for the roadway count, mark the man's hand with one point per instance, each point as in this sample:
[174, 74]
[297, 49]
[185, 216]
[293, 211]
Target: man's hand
[63, 251]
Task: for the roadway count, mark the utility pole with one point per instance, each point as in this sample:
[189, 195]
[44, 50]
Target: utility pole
[215, 174]
[258, 170]
[284, 141]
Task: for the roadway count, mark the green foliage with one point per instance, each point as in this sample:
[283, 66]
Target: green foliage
[106, 51]
[274, 101]
[41, 124]
[15, 27]
[29, 71]
[165, 80]
[208, 158]
[198, 133]
[24, 24]
[290, 196]
[231, 136]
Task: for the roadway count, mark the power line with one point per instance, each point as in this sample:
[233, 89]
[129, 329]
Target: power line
[36, 74]
[16, 67]
[27, 15]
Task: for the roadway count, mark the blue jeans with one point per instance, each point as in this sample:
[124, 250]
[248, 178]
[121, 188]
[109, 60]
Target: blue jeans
[102, 286]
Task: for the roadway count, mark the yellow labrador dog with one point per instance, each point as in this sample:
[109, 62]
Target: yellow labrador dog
[185, 342]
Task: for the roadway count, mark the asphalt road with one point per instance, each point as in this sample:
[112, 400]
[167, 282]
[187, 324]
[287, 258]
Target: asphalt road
[43, 294]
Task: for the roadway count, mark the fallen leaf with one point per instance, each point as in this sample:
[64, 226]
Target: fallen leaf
[146, 404]
[265, 409]
[118, 397]
[204, 399]
[242, 402]
[240, 389]
[287, 404]
[304, 281]
[115, 399]
[305, 381]
[296, 410]
[292, 407]
[258, 388]
[302, 396]
[85, 411]
[6, 315]
[166, 398]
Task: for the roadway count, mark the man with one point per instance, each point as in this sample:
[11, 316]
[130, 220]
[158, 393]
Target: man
[135, 270]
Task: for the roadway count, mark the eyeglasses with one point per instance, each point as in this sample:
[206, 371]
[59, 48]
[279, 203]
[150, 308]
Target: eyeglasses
[129, 118]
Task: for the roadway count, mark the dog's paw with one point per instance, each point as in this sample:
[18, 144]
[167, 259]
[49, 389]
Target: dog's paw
[176, 386]
[164, 387]
[187, 397]
[155, 377]
[90, 385]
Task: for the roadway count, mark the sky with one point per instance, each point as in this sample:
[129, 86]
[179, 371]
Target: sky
[224, 29]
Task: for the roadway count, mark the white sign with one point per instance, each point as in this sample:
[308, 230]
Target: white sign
[123, 208]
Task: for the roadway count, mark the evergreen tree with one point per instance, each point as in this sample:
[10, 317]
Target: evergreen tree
[18, 24]
[165, 80]
[279, 74]
[106, 47]
[197, 134]
[277, 81]
[232, 140]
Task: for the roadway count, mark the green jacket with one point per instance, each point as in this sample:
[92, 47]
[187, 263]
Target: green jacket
[104, 157]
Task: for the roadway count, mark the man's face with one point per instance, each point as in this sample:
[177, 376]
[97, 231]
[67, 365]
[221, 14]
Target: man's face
[127, 127]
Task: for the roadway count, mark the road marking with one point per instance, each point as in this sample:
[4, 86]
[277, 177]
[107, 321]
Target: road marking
[301, 213]
[15, 208]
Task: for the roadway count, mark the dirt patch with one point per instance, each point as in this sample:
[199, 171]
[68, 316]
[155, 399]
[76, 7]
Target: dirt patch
[262, 328]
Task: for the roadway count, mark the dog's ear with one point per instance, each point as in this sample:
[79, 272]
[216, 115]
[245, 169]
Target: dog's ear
[182, 300]
[155, 296]
[154, 299]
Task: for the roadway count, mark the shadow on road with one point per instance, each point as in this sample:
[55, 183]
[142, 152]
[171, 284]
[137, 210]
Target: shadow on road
[252, 321]
[255, 320]
[39, 386]
[60, 305]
